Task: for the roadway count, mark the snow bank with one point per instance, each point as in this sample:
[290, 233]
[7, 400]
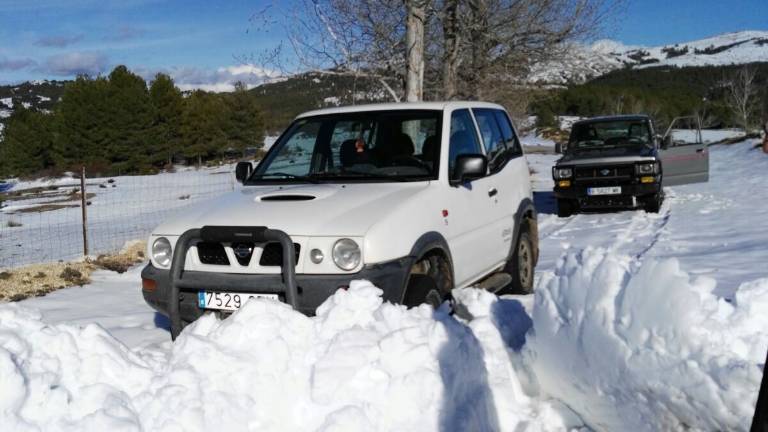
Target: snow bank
[647, 350]
[358, 365]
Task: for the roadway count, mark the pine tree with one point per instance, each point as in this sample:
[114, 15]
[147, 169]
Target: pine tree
[28, 143]
[166, 129]
[82, 123]
[129, 121]
[245, 125]
[202, 125]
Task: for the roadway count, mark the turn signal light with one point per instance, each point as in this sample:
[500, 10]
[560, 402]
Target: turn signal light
[148, 285]
[646, 179]
[564, 183]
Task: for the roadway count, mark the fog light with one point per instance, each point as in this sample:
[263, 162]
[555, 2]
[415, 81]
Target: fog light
[316, 256]
[148, 285]
[564, 183]
[647, 179]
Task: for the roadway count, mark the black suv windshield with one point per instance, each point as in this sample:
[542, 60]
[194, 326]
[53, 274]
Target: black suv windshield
[371, 146]
[610, 134]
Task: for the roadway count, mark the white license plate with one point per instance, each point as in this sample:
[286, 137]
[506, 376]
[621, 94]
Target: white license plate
[228, 301]
[610, 190]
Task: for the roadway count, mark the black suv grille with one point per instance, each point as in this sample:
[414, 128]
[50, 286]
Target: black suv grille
[273, 254]
[615, 172]
[212, 253]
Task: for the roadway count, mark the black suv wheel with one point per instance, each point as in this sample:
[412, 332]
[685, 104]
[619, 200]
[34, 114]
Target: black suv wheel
[566, 207]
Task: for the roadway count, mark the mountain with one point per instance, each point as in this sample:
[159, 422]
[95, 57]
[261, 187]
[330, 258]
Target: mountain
[582, 63]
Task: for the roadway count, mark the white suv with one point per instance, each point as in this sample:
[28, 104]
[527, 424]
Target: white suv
[417, 198]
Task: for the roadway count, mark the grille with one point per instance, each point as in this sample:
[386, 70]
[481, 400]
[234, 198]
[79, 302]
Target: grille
[212, 253]
[621, 172]
[272, 255]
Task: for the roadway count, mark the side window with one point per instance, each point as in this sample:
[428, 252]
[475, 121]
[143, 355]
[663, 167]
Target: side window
[463, 137]
[493, 140]
[513, 144]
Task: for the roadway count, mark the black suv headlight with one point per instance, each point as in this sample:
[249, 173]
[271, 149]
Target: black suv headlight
[561, 173]
[647, 168]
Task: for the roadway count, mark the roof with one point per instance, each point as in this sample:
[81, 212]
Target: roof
[401, 106]
[614, 117]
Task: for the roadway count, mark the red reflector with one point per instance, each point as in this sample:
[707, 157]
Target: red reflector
[445, 213]
[148, 284]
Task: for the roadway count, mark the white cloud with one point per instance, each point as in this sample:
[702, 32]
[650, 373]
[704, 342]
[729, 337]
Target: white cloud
[222, 79]
[76, 63]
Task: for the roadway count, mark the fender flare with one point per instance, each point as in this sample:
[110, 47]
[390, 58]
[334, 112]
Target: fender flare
[428, 242]
[526, 210]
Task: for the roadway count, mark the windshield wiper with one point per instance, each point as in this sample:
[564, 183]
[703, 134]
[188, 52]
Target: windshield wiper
[378, 176]
[309, 179]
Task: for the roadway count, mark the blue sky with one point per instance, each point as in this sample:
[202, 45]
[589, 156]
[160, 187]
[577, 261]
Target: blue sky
[200, 41]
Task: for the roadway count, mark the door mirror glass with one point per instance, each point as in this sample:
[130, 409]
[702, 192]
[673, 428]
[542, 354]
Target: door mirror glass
[666, 142]
[469, 167]
[243, 171]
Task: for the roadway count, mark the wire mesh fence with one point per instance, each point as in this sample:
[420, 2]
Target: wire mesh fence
[42, 221]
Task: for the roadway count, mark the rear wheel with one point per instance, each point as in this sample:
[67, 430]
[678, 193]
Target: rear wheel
[430, 281]
[522, 265]
[565, 207]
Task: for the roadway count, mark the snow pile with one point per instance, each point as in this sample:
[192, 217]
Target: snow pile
[647, 350]
[358, 365]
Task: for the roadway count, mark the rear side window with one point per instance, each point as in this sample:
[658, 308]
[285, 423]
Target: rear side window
[463, 137]
[513, 144]
[493, 138]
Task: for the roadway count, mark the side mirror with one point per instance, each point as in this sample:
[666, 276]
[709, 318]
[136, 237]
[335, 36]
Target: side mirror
[468, 167]
[243, 171]
[558, 148]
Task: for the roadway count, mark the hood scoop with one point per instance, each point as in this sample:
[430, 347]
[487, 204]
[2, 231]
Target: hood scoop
[287, 197]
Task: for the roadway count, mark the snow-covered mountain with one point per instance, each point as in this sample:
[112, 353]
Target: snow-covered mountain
[585, 62]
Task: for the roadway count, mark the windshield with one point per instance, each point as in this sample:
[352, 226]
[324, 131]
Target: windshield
[626, 134]
[358, 146]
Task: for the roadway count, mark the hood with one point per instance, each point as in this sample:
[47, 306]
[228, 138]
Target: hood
[611, 155]
[302, 209]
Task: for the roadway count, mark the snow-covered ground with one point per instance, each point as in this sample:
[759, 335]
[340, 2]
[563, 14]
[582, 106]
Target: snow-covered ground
[639, 322]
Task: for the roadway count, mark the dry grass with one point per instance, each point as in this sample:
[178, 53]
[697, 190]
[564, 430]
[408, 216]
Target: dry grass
[40, 279]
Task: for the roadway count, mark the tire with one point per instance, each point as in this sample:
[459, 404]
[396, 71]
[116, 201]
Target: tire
[521, 266]
[565, 207]
[431, 281]
[653, 203]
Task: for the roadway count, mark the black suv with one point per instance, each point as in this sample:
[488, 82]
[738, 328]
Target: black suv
[620, 162]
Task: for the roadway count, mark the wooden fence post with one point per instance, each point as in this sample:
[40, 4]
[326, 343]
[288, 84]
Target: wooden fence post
[83, 205]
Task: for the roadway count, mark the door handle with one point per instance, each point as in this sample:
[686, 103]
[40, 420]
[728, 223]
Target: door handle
[492, 192]
[701, 150]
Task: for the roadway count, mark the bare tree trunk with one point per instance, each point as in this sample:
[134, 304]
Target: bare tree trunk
[414, 40]
[479, 45]
[451, 49]
[740, 95]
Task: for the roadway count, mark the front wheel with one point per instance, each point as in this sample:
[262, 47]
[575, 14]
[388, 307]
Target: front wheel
[653, 203]
[566, 207]
[430, 281]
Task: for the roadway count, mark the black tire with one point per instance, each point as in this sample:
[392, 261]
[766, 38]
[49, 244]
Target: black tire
[565, 207]
[522, 265]
[433, 283]
[653, 203]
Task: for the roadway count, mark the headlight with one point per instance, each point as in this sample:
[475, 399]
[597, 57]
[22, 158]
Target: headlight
[162, 252]
[346, 254]
[648, 168]
[562, 173]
